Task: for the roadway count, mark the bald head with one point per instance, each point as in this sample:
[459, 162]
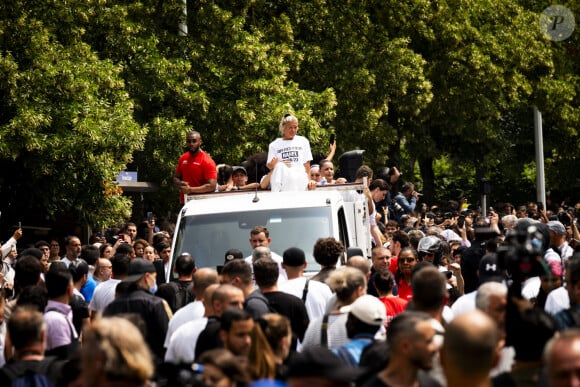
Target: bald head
[203, 278]
[226, 296]
[207, 299]
[361, 263]
[470, 348]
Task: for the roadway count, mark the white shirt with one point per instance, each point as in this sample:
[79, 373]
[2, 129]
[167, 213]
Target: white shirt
[104, 294]
[557, 301]
[296, 151]
[192, 311]
[181, 347]
[531, 288]
[464, 304]
[336, 332]
[282, 276]
[316, 298]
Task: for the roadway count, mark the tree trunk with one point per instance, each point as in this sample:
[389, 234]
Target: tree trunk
[428, 176]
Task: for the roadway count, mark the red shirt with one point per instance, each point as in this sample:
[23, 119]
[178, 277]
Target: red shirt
[394, 305]
[405, 290]
[196, 170]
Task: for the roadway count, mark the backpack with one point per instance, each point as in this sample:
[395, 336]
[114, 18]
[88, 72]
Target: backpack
[183, 294]
[38, 377]
[258, 295]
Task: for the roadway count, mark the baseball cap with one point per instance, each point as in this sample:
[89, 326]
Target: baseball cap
[368, 309]
[232, 254]
[489, 270]
[557, 227]
[239, 168]
[294, 257]
[137, 269]
[450, 235]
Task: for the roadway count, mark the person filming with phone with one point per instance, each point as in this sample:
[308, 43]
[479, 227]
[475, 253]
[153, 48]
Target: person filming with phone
[406, 200]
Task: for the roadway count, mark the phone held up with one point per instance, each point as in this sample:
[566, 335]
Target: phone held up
[332, 137]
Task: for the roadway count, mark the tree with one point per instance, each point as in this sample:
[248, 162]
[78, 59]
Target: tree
[66, 126]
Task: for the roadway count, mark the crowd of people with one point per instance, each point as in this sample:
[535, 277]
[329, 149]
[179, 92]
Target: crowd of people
[451, 296]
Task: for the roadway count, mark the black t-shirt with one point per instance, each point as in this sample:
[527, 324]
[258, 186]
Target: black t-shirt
[291, 307]
[209, 338]
[80, 311]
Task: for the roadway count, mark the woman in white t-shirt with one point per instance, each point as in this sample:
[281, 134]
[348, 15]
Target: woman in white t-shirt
[290, 157]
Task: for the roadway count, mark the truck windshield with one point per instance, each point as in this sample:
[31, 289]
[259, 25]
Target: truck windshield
[208, 237]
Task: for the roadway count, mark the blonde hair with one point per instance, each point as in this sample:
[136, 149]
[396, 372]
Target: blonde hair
[345, 282]
[119, 343]
[288, 118]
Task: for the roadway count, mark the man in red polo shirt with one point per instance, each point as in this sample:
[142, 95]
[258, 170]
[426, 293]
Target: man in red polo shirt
[196, 171]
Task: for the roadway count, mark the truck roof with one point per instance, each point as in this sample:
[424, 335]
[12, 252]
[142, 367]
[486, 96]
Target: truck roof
[235, 201]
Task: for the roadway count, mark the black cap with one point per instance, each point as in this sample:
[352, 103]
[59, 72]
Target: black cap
[137, 268]
[489, 270]
[294, 257]
[232, 254]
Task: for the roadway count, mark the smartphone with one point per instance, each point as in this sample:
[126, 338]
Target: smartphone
[149, 217]
[461, 221]
[19, 224]
[540, 206]
[332, 137]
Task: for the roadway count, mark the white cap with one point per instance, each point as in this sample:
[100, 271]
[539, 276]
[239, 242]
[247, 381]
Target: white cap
[369, 309]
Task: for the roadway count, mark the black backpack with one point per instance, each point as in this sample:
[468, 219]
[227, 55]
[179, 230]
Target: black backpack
[183, 294]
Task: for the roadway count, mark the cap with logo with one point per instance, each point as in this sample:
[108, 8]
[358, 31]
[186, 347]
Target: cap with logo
[489, 270]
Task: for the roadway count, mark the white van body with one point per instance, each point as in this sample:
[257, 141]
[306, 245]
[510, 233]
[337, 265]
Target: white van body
[208, 225]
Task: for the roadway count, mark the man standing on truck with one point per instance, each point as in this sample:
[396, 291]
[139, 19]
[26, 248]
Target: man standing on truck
[196, 172]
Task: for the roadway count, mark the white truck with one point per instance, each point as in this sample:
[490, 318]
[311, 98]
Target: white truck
[208, 225]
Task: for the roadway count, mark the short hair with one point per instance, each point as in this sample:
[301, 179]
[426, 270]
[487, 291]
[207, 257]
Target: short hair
[161, 246]
[228, 363]
[363, 171]
[26, 271]
[25, 326]
[57, 281]
[486, 290]
[223, 292]
[124, 248]
[266, 272]
[238, 268]
[509, 221]
[359, 262]
[472, 352]
[129, 224]
[429, 289]
[90, 254]
[414, 237]
[404, 325]
[380, 184]
[260, 229]
[327, 251]
[232, 315]
[184, 264]
[261, 252]
[402, 237]
[408, 186]
[69, 238]
[286, 119]
[569, 334]
[384, 281]
[77, 269]
[202, 279]
[120, 265]
[120, 346]
[345, 281]
[41, 243]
